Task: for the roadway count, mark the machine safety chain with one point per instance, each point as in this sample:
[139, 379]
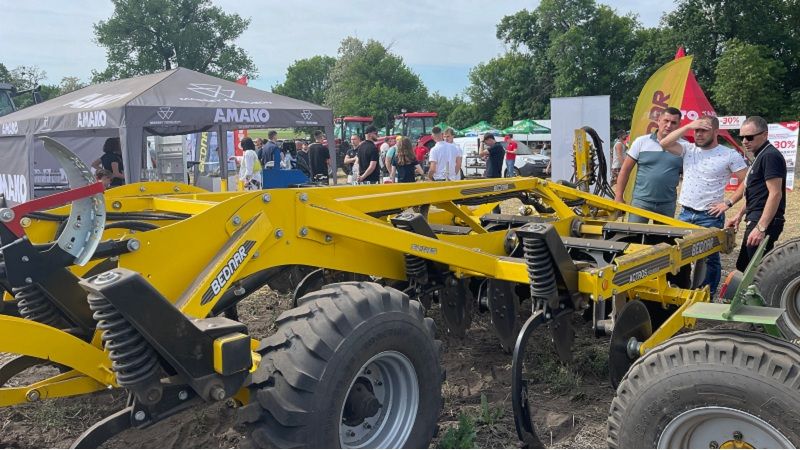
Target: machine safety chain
[133, 360]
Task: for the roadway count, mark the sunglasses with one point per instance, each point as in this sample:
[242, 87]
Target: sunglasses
[750, 137]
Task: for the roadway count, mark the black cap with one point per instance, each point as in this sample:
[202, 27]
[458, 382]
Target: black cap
[488, 136]
[370, 129]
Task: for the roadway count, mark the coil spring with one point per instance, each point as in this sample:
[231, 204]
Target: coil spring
[415, 266]
[133, 361]
[540, 268]
[34, 305]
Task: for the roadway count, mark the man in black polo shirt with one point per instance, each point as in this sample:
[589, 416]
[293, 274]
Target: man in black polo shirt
[493, 151]
[368, 156]
[318, 156]
[764, 192]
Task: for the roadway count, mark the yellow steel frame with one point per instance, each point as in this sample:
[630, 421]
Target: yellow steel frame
[342, 228]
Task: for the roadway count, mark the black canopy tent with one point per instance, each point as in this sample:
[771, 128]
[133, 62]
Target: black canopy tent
[173, 102]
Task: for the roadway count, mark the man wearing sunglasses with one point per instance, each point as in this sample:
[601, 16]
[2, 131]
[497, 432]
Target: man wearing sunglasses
[765, 185]
[707, 168]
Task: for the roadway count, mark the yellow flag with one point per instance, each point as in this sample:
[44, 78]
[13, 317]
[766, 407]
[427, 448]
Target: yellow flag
[662, 90]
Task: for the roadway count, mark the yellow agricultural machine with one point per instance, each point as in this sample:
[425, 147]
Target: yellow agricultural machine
[137, 288]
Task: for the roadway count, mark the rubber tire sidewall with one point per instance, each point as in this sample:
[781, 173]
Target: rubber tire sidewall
[664, 389]
[779, 268]
[389, 331]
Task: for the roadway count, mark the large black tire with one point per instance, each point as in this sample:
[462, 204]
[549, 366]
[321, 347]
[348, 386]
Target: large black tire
[778, 280]
[674, 391]
[321, 349]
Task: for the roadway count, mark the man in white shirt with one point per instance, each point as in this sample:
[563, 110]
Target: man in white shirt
[444, 160]
[707, 168]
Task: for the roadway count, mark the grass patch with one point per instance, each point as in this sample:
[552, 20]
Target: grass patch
[461, 436]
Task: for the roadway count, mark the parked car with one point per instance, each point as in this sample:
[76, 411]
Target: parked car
[528, 163]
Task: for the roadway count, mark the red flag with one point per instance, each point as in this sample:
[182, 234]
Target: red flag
[696, 104]
[238, 135]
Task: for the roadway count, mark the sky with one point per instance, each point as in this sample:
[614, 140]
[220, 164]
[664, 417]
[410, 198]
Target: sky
[440, 41]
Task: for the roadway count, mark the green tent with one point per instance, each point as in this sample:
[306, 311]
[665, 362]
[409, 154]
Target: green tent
[526, 126]
[479, 128]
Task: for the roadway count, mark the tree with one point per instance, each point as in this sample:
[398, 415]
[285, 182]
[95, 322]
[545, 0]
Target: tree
[444, 106]
[69, 84]
[307, 79]
[748, 81]
[146, 36]
[5, 75]
[27, 77]
[463, 116]
[369, 80]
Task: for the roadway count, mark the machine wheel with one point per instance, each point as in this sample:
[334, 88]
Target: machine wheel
[778, 280]
[710, 389]
[355, 365]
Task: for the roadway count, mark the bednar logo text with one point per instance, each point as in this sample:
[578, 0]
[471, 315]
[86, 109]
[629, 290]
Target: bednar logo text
[92, 119]
[226, 273]
[14, 187]
[10, 128]
[241, 115]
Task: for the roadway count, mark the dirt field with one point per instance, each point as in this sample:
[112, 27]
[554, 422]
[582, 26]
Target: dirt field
[571, 401]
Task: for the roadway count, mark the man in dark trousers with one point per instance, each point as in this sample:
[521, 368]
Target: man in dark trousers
[493, 152]
[319, 156]
[764, 191]
[368, 156]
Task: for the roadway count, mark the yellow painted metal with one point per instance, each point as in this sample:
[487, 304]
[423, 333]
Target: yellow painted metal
[676, 322]
[219, 349]
[45, 342]
[67, 384]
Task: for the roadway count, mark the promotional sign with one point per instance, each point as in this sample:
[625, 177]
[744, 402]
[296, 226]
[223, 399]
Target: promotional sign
[784, 137]
[664, 89]
[730, 122]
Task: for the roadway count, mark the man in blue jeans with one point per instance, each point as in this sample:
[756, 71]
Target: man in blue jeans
[658, 170]
[707, 168]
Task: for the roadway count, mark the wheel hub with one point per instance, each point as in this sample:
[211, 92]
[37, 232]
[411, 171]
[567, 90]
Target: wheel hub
[381, 405]
[720, 427]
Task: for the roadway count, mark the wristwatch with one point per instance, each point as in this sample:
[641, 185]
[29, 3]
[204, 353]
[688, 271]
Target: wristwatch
[759, 228]
[729, 203]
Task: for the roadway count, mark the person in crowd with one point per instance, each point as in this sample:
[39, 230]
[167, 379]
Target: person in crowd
[103, 176]
[618, 154]
[658, 170]
[250, 170]
[511, 154]
[764, 192]
[493, 152]
[271, 155]
[707, 169]
[319, 157]
[112, 161]
[421, 153]
[388, 143]
[449, 136]
[444, 158]
[367, 156]
[390, 154]
[259, 144]
[404, 165]
[303, 158]
[351, 158]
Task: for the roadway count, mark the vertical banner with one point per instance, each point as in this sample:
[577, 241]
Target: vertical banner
[784, 137]
[664, 89]
[238, 135]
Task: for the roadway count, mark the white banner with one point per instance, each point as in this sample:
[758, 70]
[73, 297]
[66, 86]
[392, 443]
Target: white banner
[568, 114]
[730, 122]
[784, 137]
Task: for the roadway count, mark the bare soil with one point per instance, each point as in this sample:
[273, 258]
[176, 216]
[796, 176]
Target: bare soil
[570, 401]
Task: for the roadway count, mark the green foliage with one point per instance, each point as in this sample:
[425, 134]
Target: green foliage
[489, 415]
[461, 436]
[369, 80]
[307, 79]
[5, 75]
[463, 116]
[146, 36]
[748, 81]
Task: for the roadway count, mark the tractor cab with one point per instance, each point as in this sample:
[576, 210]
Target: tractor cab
[6, 102]
[416, 125]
